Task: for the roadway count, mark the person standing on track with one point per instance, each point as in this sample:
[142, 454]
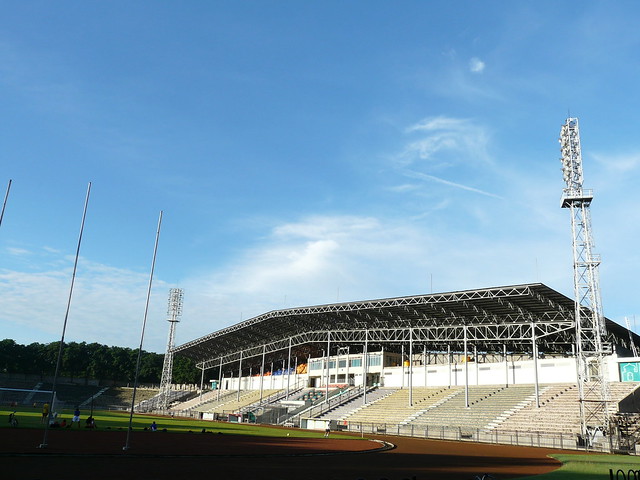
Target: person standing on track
[45, 412]
[76, 417]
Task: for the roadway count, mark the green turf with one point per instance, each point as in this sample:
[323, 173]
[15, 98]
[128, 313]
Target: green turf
[112, 420]
[589, 467]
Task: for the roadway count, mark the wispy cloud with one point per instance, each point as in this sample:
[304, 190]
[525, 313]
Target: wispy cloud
[619, 163]
[107, 303]
[476, 65]
[456, 139]
[452, 184]
[447, 147]
[18, 251]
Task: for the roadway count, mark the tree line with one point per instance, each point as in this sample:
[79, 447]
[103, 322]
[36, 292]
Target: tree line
[91, 361]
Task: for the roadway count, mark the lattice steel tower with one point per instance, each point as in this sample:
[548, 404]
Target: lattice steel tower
[174, 311]
[591, 347]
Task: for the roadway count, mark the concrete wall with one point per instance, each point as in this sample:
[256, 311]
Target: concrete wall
[550, 370]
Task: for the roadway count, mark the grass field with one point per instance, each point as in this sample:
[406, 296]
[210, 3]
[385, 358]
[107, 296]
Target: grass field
[114, 420]
[590, 467]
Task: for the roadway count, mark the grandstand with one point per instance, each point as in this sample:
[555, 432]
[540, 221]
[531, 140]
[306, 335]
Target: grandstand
[489, 360]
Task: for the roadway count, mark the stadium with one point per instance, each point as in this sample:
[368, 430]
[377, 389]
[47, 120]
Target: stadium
[511, 364]
[487, 364]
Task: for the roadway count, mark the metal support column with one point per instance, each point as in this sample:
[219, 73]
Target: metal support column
[411, 367]
[220, 379]
[201, 382]
[424, 362]
[466, 369]
[289, 368]
[326, 386]
[264, 353]
[506, 364]
[475, 361]
[535, 363]
[364, 367]
[239, 374]
[449, 362]
[402, 363]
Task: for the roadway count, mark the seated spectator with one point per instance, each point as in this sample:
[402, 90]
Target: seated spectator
[90, 422]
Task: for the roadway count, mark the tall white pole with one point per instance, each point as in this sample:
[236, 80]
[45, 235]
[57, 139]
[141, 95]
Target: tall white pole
[66, 317]
[144, 324]
[4, 204]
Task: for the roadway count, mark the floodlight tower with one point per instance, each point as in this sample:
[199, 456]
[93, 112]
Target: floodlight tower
[591, 347]
[174, 311]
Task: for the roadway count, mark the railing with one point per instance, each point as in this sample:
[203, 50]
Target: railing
[335, 400]
[568, 441]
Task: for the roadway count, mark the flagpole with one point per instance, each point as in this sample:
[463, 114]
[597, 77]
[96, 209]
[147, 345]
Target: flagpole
[144, 323]
[4, 204]
[66, 318]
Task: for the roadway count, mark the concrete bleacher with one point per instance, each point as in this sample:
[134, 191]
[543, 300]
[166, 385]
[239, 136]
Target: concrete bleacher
[207, 398]
[491, 407]
[559, 410]
[486, 405]
[231, 402]
[119, 398]
[354, 403]
[394, 409]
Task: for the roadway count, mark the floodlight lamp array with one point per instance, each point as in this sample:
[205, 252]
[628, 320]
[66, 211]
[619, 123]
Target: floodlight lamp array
[174, 309]
[571, 156]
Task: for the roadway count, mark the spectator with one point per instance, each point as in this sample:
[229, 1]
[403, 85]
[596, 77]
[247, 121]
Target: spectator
[45, 412]
[76, 417]
[90, 422]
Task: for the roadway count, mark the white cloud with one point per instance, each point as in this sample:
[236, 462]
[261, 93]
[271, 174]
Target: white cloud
[107, 305]
[446, 140]
[452, 184]
[476, 65]
[18, 251]
[620, 163]
[316, 260]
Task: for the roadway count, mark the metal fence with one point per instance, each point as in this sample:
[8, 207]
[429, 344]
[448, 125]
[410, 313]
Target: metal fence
[568, 441]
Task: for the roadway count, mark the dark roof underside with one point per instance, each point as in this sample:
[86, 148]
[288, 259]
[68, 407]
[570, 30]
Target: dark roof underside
[435, 319]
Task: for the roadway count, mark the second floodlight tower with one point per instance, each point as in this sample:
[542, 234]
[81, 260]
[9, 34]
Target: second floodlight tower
[591, 347]
[174, 312]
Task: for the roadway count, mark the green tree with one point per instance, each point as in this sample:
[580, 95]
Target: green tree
[10, 353]
[184, 370]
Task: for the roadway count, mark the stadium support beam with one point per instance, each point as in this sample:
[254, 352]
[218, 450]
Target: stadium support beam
[449, 362]
[201, 383]
[326, 386]
[506, 364]
[289, 368]
[411, 367]
[239, 375]
[220, 379]
[264, 350]
[534, 350]
[365, 369]
[466, 368]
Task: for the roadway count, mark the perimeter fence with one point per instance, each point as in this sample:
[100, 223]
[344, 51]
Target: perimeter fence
[568, 441]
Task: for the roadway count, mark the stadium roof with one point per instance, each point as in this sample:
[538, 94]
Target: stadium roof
[486, 318]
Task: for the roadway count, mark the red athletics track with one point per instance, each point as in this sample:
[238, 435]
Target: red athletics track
[160, 455]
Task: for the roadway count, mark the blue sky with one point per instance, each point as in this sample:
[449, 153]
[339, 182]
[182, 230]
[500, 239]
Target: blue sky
[304, 153]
